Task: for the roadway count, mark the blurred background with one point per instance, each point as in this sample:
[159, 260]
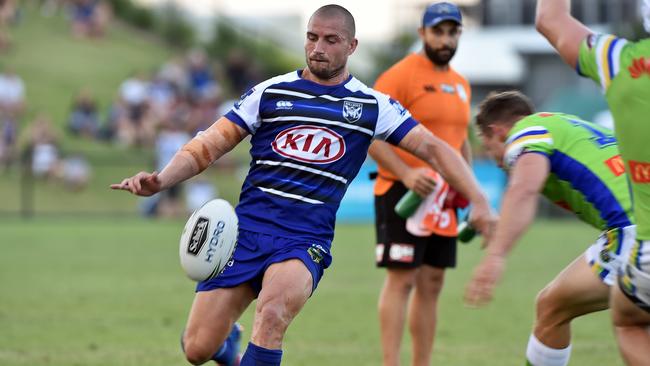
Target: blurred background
[92, 91]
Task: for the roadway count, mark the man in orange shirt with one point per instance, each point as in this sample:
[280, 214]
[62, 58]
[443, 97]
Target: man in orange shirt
[439, 98]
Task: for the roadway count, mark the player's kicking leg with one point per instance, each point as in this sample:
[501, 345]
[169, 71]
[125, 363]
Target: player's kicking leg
[574, 292]
[286, 287]
[211, 320]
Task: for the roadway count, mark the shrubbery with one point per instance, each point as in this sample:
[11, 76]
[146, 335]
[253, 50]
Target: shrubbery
[176, 31]
[270, 57]
[170, 25]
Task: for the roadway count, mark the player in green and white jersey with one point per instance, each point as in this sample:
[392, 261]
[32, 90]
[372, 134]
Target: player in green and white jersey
[622, 68]
[576, 165]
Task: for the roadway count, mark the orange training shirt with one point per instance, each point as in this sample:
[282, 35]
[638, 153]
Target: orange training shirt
[439, 100]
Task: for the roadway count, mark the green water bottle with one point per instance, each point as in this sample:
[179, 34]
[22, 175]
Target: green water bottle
[466, 232]
[408, 204]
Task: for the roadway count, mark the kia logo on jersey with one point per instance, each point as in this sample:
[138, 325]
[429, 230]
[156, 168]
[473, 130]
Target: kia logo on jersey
[311, 144]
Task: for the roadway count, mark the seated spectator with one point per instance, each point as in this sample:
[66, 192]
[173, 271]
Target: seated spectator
[12, 94]
[84, 118]
[42, 148]
[74, 172]
[163, 96]
[241, 74]
[171, 138]
[205, 111]
[8, 15]
[173, 71]
[8, 134]
[12, 104]
[136, 126]
[199, 191]
[89, 18]
[201, 78]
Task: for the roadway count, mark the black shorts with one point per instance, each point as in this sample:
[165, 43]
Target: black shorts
[397, 248]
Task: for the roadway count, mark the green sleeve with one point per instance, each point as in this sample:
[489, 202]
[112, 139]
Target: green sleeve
[599, 58]
[527, 138]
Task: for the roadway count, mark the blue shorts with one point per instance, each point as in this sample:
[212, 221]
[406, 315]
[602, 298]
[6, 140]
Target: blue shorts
[255, 252]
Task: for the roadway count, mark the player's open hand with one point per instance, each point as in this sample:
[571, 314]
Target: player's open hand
[420, 181]
[141, 184]
[486, 276]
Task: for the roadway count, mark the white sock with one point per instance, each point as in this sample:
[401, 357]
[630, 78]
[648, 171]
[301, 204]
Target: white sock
[539, 354]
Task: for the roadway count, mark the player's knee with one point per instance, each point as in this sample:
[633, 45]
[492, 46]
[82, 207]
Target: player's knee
[549, 310]
[195, 352]
[273, 316]
[432, 281]
[401, 281]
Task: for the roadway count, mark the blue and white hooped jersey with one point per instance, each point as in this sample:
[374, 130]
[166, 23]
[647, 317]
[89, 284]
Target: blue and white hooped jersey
[308, 143]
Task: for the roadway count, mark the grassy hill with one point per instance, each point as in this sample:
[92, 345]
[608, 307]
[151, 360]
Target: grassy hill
[54, 65]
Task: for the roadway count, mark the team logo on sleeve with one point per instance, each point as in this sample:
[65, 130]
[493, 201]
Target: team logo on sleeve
[352, 111]
[310, 144]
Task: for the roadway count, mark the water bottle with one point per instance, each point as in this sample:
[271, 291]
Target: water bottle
[408, 204]
[466, 232]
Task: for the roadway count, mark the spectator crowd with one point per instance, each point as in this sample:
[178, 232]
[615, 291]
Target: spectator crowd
[153, 110]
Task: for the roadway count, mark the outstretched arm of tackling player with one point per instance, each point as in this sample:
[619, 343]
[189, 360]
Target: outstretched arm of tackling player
[446, 161]
[190, 160]
[565, 33]
[518, 209]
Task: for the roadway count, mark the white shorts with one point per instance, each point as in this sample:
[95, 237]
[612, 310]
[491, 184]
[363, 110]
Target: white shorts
[610, 252]
[634, 280]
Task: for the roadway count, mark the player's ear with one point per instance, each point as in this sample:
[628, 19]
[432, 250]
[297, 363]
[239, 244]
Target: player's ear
[353, 46]
[500, 130]
[495, 129]
[421, 33]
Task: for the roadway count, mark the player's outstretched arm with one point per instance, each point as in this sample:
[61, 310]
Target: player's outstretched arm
[565, 33]
[517, 212]
[190, 160]
[446, 161]
[417, 179]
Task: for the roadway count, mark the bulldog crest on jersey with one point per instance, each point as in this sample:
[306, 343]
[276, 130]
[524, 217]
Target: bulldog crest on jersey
[352, 111]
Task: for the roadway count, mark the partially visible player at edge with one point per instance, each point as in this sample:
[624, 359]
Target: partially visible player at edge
[576, 165]
[622, 68]
[310, 130]
[439, 98]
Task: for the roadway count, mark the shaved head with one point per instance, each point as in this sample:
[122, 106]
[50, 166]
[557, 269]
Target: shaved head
[337, 11]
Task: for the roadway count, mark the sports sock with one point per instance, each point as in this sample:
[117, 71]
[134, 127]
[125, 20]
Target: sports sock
[539, 354]
[259, 356]
[227, 353]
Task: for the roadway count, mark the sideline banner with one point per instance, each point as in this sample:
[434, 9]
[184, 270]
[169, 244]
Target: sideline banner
[358, 204]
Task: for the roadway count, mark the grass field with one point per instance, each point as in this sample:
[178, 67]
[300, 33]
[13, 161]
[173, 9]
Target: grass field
[101, 292]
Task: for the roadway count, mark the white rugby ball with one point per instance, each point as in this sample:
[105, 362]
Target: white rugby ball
[208, 240]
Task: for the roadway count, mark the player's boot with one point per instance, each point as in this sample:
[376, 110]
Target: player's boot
[230, 355]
